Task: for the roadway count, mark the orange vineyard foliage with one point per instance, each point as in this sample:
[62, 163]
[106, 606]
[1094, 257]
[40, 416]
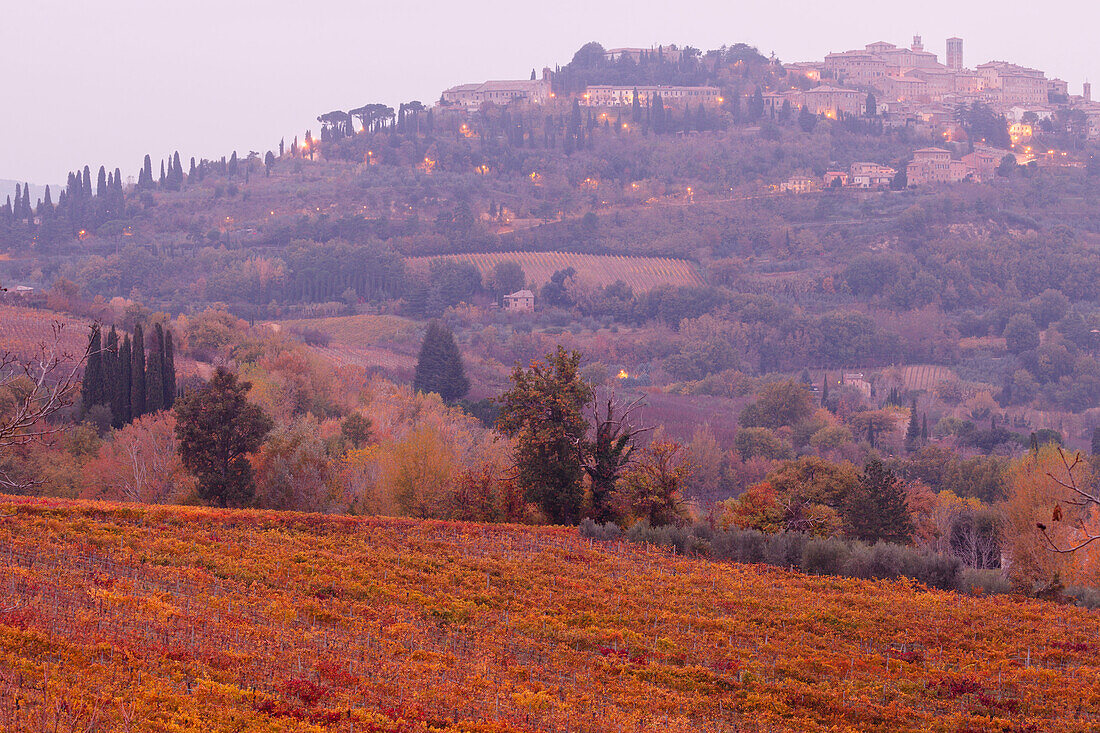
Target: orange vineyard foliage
[640, 273]
[132, 618]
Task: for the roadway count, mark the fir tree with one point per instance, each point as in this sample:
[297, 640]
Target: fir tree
[878, 510]
[137, 374]
[439, 368]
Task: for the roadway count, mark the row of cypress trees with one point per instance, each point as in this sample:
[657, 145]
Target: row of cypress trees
[128, 378]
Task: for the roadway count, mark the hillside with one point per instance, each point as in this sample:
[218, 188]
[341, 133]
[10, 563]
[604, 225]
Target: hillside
[137, 617]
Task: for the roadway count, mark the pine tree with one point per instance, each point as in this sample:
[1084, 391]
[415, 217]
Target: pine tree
[137, 374]
[439, 368]
[120, 403]
[169, 362]
[91, 389]
[878, 509]
[154, 372]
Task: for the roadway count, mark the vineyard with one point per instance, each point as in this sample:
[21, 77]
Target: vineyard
[24, 330]
[925, 377]
[640, 273]
[387, 343]
[132, 618]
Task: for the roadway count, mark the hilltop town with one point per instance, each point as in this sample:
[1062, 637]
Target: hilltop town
[896, 87]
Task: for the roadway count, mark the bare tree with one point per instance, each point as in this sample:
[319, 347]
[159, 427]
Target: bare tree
[1084, 499]
[41, 385]
[611, 449]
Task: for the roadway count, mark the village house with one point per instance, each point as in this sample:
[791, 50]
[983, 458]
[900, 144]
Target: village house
[983, 163]
[472, 96]
[934, 165]
[836, 178]
[605, 95]
[833, 101]
[521, 300]
[871, 175]
[799, 183]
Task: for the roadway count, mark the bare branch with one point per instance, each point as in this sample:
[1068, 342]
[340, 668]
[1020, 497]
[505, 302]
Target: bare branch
[1079, 498]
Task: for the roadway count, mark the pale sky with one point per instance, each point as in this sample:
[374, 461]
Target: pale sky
[106, 81]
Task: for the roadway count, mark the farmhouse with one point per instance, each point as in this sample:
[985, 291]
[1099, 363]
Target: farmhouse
[521, 300]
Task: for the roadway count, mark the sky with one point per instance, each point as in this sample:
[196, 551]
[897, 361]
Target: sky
[106, 82]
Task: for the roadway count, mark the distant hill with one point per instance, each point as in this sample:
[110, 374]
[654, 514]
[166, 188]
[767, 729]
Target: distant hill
[7, 188]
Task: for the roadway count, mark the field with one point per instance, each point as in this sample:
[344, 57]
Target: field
[132, 618]
[23, 330]
[640, 273]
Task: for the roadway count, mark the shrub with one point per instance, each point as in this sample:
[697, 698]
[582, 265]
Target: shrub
[823, 556]
[936, 571]
[785, 549]
[738, 545]
[982, 582]
[1087, 597]
[604, 532]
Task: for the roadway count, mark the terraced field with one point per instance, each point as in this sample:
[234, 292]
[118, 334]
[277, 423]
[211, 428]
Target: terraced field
[640, 273]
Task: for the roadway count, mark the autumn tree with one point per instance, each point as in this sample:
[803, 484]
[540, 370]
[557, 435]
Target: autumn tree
[439, 367]
[293, 470]
[34, 390]
[141, 463]
[218, 428]
[652, 488]
[778, 404]
[543, 411]
[1052, 518]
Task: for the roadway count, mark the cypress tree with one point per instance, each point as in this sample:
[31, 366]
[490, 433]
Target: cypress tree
[154, 372]
[137, 374]
[912, 433]
[169, 362]
[924, 428]
[439, 368]
[91, 389]
[110, 373]
[121, 402]
[825, 391]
